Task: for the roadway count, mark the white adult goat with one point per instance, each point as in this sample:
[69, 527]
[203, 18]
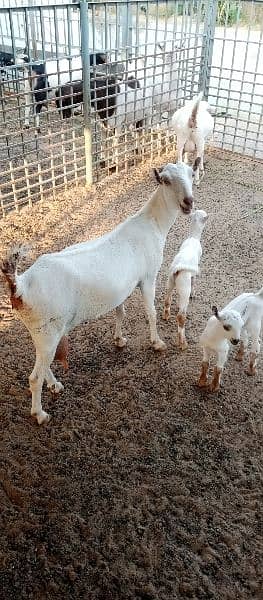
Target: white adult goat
[87, 280]
[241, 320]
[183, 272]
[192, 124]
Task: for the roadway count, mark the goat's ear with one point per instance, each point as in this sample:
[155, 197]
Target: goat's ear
[157, 176]
[196, 163]
[215, 312]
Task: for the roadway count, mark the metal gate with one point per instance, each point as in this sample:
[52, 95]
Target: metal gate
[159, 54]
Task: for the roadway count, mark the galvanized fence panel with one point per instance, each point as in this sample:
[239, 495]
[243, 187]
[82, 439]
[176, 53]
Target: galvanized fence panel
[34, 164]
[236, 77]
[159, 54]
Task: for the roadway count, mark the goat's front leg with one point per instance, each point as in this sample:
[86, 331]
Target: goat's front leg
[203, 379]
[119, 340]
[221, 359]
[254, 352]
[148, 294]
[168, 297]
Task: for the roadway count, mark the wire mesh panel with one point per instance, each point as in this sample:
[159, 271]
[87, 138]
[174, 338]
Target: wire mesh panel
[154, 53]
[160, 45]
[235, 85]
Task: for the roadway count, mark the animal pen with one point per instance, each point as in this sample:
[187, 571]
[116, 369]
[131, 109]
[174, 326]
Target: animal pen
[171, 49]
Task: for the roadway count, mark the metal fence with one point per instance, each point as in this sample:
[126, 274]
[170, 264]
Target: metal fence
[159, 54]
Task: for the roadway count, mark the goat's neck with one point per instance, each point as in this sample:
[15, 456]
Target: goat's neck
[196, 232]
[163, 211]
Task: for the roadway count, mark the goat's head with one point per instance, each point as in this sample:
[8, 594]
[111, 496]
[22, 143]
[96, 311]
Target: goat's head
[22, 59]
[177, 181]
[231, 322]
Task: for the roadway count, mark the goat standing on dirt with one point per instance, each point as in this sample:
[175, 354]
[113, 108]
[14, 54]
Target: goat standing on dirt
[241, 320]
[193, 124]
[87, 280]
[183, 272]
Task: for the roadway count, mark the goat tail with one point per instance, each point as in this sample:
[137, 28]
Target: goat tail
[9, 270]
[192, 119]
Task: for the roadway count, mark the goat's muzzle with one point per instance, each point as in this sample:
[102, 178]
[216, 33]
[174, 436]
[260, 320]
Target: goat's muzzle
[187, 205]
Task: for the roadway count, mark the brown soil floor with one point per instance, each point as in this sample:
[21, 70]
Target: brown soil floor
[142, 486]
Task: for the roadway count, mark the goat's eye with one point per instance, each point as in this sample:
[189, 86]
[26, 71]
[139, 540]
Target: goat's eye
[227, 327]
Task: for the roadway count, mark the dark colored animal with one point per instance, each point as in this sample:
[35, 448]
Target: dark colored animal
[103, 92]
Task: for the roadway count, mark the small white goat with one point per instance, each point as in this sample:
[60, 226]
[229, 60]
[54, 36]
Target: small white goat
[193, 124]
[183, 272]
[241, 320]
[87, 280]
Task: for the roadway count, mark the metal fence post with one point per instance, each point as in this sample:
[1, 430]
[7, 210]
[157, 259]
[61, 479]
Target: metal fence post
[84, 29]
[207, 46]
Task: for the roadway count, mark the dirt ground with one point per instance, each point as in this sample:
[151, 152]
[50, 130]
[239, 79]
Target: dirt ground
[142, 486]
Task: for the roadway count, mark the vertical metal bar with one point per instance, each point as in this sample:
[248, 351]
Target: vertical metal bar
[40, 179]
[2, 204]
[207, 46]
[27, 183]
[84, 28]
[43, 37]
[33, 28]
[13, 183]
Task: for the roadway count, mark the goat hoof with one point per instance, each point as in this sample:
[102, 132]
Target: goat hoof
[120, 342]
[183, 345]
[202, 383]
[251, 371]
[43, 418]
[213, 388]
[55, 388]
[25, 126]
[166, 315]
[159, 345]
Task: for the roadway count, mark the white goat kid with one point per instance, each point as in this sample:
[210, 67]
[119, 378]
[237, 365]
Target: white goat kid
[183, 272]
[193, 124]
[87, 280]
[241, 320]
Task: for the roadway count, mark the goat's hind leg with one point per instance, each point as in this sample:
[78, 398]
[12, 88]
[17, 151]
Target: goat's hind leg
[168, 297]
[148, 294]
[199, 163]
[119, 340]
[193, 287]
[243, 346]
[36, 380]
[45, 352]
[255, 350]
[183, 289]
[53, 384]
